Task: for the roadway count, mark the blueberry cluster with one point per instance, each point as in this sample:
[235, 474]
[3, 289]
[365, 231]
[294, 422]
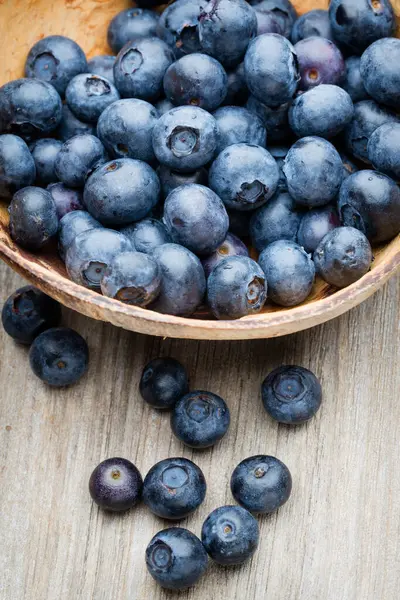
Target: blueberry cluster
[217, 125]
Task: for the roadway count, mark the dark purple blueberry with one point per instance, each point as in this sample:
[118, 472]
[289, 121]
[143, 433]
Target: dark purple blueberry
[164, 381]
[353, 83]
[131, 25]
[282, 11]
[238, 92]
[179, 26]
[170, 180]
[17, 166]
[45, 152]
[132, 278]
[33, 218]
[380, 71]
[146, 235]
[66, 199]
[315, 225]
[312, 23]
[275, 120]
[78, 158]
[320, 61]
[70, 126]
[116, 484]
[238, 125]
[384, 149]
[71, 225]
[231, 246]
[279, 219]
[87, 95]
[102, 65]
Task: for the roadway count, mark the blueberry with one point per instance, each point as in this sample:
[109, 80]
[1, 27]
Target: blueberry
[314, 171]
[368, 116]
[132, 278]
[140, 68]
[282, 11]
[125, 128]
[55, 59]
[320, 61]
[380, 72]
[279, 153]
[261, 484]
[146, 235]
[87, 95]
[170, 180]
[131, 25]
[239, 222]
[66, 199]
[238, 125]
[349, 167]
[78, 158]
[267, 22]
[289, 271]
[312, 23]
[174, 488]
[244, 176]
[71, 126]
[28, 312]
[102, 65]
[116, 484]
[90, 253]
[33, 218]
[183, 282]
[231, 246]
[236, 287]
[230, 535]
[71, 225]
[315, 225]
[238, 92]
[343, 256]
[29, 108]
[353, 83]
[370, 201]
[45, 152]
[176, 558]
[185, 138]
[200, 419]
[163, 382]
[358, 23]
[179, 26]
[272, 82]
[163, 106]
[225, 29]
[277, 220]
[291, 395]
[196, 218]
[384, 149]
[17, 166]
[59, 356]
[198, 80]
[275, 120]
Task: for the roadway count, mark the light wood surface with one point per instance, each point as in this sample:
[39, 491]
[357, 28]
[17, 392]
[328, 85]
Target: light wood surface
[338, 538]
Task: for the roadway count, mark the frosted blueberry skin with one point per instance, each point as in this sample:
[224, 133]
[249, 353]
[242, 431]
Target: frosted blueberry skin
[176, 558]
[17, 166]
[170, 179]
[163, 106]
[312, 23]
[320, 61]
[225, 29]
[231, 246]
[66, 199]
[174, 488]
[179, 26]
[238, 92]
[44, 153]
[183, 283]
[131, 25]
[55, 59]
[275, 120]
[272, 82]
[163, 382]
[29, 108]
[238, 125]
[236, 287]
[244, 176]
[353, 83]
[102, 65]
[282, 11]
[370, 201]
[291, 395]
[78, 158]
[289, 271]
[315, 224]
[91, 252]
[267, 23]
[343, 256]
[33, 218]
[116, 484]
[380, 72]
[125, 128]
[87, 95]
[261, 484]
[147, 235]
[140, 68]
[279, 219]
[71, 225]
[384, 150]
[70, 126]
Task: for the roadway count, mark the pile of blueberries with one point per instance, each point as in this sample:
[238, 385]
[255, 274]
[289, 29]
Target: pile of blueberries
[152, 168]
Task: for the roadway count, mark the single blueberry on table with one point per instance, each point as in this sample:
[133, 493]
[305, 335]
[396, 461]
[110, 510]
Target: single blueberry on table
[87, 95]
[231, 246]
[174, 488]
[315, 224]
[261, 484]
[59, 356]
[121, 191]
[238, 92]
[179, 26]
[17, 166]
[102, 65]
[343, 256]
[163, 106]
[79, 156]
[198, 80]
[56, 59]
[146, 235]
[279, 219]
[320, 61]
[176, 558]
[236, 287]
[282, 11]
[71, 225]
[116, 484]
[200, 419]
[238, 125]
[170, 179]
[353, 83]
[44, 153]
[312, 23]
[66, 199]
[125, 128]
[163, 382]
[230, 535]
[279, 153]
[131, 25]
[183, 283]
[291, 395]
[70, 126]
[275, 120]
[370, 201]
[90, 253]
[239, 222]
[28, 312]
[380, 71]
[384, 149]
[33, 218]
[289, 271]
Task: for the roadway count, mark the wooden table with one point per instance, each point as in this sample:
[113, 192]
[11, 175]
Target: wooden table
[338, 538]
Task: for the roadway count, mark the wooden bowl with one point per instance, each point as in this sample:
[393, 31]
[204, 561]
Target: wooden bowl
[24, 22]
